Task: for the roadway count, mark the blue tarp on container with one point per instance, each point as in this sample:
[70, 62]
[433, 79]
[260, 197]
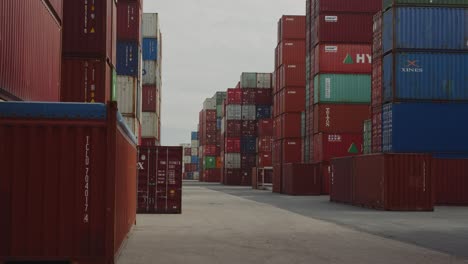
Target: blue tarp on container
[425, 76]
[150, 49]
[435, 28]
[425, 128]
[263, 111]
[194, 135]
[127, 58]
[194, 160]
[248, 144]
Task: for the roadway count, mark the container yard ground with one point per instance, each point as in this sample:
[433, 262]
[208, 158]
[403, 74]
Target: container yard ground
[221, 224]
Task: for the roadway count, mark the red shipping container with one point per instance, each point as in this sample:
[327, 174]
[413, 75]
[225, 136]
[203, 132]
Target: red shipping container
[209, 115]
[249, 128]
[292, 75]
[213, 175]
[362, 6]
[246, 176]
[210, 127]
[89, 29]
[248, 96]
[234, 96]
[187, 151]
[148, 142]
[336, 118]
[394, 182]
[160, 180]
[265, 144]
[291, 27]
[291, 125]
[343, 28]
[30, 52]
[277, 175]
[292, 100]
[329, 146]
[232, 177]
[451, 181]
[129, 20]
[298, 179]
[276, 152]
[248, 161]
[292, 52]
[233, 128]
[233, 145]
[149, 98]
[291, 150]
[67, 188]
[263, 97]
[341, 186]
[377, 48]
[265, 159]
[265, 127]
[85, 80]
[210, 138]
[210, 150]
[56, 7]
[377, 130]
[324, 171]
[377, 82]
[343, 58]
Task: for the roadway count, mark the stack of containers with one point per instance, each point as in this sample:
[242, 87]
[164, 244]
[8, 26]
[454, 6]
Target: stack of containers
[152, 83]
[339, 87]
[186, 160]
[88, 51]
[209, 150]
[194, 159]
[128, 89]
[289, 93]
[420, 91]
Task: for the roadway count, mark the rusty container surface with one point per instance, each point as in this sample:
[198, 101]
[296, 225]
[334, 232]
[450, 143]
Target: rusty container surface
[67, 191]
[160, 180]
[341, 180]
[451, 181]
[300, 179]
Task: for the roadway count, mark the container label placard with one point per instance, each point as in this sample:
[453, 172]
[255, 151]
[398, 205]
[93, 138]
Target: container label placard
[332, 19]
[327, 118]
[86, 181]
[327, 88]
[330, 49]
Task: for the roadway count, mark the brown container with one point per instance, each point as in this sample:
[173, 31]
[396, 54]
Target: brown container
[232, 177]
[212, 175]
[292, 75]
[451, 181]
[292, 52]
[149, 100]
[67, 186]
[291, 27]
[343, 28]
[299, 179]
[277, 172]
[160, 180]
[30, 52]
[292, 100]
[129, 20]
[336, 118]
[56, 6]
[341, 180]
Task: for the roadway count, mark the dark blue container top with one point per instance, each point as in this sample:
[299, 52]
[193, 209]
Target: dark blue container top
[150, 49]
[127, 58]
[263, 111]
[194, 135]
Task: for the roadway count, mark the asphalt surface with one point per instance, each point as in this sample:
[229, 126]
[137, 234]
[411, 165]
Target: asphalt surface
[221, 224]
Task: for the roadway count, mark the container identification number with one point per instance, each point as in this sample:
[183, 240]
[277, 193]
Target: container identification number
[86, 182]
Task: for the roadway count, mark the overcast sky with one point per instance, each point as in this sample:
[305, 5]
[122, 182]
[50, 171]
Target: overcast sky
[206, 46]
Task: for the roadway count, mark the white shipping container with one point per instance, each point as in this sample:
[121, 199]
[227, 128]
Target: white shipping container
[264, 80]
[194, 143]
[196, 175]
[150, 72]
[200, 151]
[133, 124]
[187, 159]
[249, 112]
[195, 151]
[128, 93]
[234, 112]
[232, 160]
[150, 25]
[209, 104]
[248, 80]
[149, 125]
[223, 124]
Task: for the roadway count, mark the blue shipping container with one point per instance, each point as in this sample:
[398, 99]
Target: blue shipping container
[263, 111]
[425, 76]
[127, 58]
[194, 160]
[195, 135]
[434, 28]
[425, 127]
[150, 49]
[249, 144]
[218, 123]
[189, 175]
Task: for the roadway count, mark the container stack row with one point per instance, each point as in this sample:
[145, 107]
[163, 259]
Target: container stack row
[191, 169]
[152, 82]
[289, 92]
[128, 90]
[245, 147]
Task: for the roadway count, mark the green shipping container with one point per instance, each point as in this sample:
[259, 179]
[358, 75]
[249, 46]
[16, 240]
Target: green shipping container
[219, 111]
[342, 88]
[249, 80]
[220, 96]
[209, 163]
[389, 3]
[367, 133]
[114, 86]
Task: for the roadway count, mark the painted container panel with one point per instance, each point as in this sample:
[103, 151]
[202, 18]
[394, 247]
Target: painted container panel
[232, 177]
[85, 80]
[425, 28]
[263, 112]
[150, 73]
[150, 25]
[377, 45]
[248, 80]
[265, 144]
[129, 20]
[248, 96]
[450, 181]
[292, 100]
[342, 177]
[265, 127]
[291, 150]
[425, 76]
[160, 180]
[389, 3]
[377, 129]
[339, 118]
[249, 128]
[210, 104]
[249, 112]
[377, 82]
[150, 49]
[291, 27]
[30, 53]
[232, 160]
[361, 6]
[57, 8]
[297, 180]
[342, 58]
[149, 125]
[263, 97]
[367, 136]
[248, 144]
[264, 160]
[342, 88]
[149, 97]
[292, 52]
[127, 93]
[149, 141]
[292, 75]
[277, 175]
[71, 154]
[425, 127]
[329, 146]
[233, 128]
[194, 135]
[343, 28]
[234, 96]
[233, 145]
[264, 80]
[127, 58]
[133, 125]
[290, 125]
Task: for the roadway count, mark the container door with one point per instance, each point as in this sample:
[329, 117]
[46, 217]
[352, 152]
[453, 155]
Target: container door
[169, 184]
[146, 180]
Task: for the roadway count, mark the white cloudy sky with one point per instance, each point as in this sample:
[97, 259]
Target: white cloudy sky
[206, 45]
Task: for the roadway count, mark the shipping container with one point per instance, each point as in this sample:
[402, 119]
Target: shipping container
[128, 58]
[85, 80]
[265, 144]
[56, 6]
[263, 112]
[292, 75]
[343, 28]
[377, 129]
[209, 162]
[249, 128]
[232, 160]
[150, 25]
[264, 80]
[149, 141]
[234, 96]
[340, 118]
[263, 97]
[149, 125]
[209, 104]
[297, 179]
[290, 125]
[248, 160]
[377, 45]
[329, 146]
[68, 182]
[265, 159]
[277, 175]
[342, 88]
[377, 82]
[160, 180]
[425, 76]
[292, 100]
[426, 3]
[342, 58]
[345, 6]
[210, 150]
[232, 177]
[128, 95]
[212, 175]
[30, 53]
[150, 73]
[248, 80]
[261, 176]
[233, 128]
[249, 112]
[265, 127]
[194, 135]
[129, 21]
[425, 127]
[450, 181]
[291, 150]
[149, 102]
[342, 180]
[292, 52]
[291, 27]
[133, 124]
[233, 145]
[150, 49]
[440, 28]
[248, 144]
[367, 136]
[194, 160]
[248, 96]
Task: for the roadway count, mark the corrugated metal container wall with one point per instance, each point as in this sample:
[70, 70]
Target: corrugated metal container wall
[292, 100]
[389, 3]
[367, 136]
[93, 75]
[30, 53]
[377, 82]
[291, 27]
[75, 183]
[149, 125]
[336, 118]
[341, 183]
[292, 52]
[127, 58]
[232, 160]
[292, 76]
[264, 80]
[127, 92]
[425, 28]
[149, 98]
[377, 129]
[57, 7]
[233, 128]
[150, 49]
[150, 72]
[362, 6]
[129, 20]
[249, 112]
[234, 96]
[342, 58]
[291, 150]
[297, 180]
[342, 88]
[248, 80]
[425, 76]
[133, 124]
[343, 28]
[329, 146]
[150, 24]
[450, 181]
[290, 125]
[425, 127]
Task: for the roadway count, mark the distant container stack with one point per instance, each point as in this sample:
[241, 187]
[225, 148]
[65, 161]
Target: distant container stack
[191, 168]
[128, 90]
[289, 93]
[152, 82]
[244, 147]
